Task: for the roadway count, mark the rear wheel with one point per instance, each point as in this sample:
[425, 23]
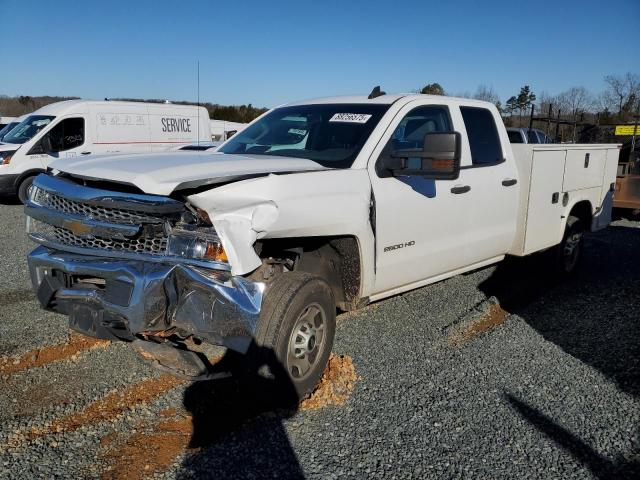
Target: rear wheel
[295, 334]
[569, 252]
[23, 189]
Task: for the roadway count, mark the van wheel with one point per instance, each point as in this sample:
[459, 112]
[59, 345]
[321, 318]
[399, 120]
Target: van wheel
[23, 189]
[295, 332]
[568, 252]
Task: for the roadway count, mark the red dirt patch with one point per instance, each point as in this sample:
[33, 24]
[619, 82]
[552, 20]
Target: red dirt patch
[149, 452]
[111, 405]
[494, 317]
[45, 355]
[335, 386]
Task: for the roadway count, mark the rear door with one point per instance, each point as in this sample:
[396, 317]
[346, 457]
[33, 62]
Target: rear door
[421, 225]
[490, 174]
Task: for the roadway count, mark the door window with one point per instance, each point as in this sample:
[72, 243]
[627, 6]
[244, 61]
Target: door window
[418, 122]
[67, 134]
[483, 136]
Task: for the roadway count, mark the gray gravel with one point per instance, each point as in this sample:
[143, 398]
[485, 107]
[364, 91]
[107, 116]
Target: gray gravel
[553, 392]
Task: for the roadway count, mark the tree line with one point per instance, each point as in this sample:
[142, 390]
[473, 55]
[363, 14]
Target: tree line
[22, 104]
[618, 102]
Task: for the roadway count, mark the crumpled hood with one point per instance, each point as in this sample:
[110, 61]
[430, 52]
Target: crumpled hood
[162, 173]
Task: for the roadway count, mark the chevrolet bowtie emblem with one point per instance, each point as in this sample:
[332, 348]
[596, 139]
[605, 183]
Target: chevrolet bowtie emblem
[77, 227]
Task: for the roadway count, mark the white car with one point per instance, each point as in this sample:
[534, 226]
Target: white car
[315, 206]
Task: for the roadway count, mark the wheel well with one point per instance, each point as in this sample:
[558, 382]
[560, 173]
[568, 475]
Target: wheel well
[582, 210]
[27, 174]
[335, 259]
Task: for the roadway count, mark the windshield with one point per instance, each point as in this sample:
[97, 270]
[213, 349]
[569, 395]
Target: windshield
[26, 129]
[6, 129]
[329, 134]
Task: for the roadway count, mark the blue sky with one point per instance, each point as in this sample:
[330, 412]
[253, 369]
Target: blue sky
[269, 52]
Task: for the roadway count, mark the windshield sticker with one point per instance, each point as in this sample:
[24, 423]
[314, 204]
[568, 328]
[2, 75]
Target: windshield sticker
[350, 117]
[297, 131]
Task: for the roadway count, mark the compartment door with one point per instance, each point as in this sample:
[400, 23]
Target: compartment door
[544, 210]
[582, 171]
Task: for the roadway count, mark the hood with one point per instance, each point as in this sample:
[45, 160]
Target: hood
[162, 173]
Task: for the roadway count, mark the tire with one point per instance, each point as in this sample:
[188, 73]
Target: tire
[568, 252]
[294, 336]
[23, 189]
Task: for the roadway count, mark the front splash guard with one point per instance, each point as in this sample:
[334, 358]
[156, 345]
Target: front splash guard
[128, 297]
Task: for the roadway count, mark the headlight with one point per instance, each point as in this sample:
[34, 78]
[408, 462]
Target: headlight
[5, 156]
[38, 196]
[197, 243]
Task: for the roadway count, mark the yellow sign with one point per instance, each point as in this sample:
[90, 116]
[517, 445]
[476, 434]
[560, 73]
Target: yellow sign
[626, 130]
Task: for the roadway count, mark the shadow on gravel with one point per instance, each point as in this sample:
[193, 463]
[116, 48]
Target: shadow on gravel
[9, 200]
[599, 466]
[593, 316]
[256, 401]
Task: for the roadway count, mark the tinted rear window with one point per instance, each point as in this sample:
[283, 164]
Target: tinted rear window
[483, 135]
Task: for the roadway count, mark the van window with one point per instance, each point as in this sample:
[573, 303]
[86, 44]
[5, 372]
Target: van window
[67, 134]
[25, 130]
[483, 135]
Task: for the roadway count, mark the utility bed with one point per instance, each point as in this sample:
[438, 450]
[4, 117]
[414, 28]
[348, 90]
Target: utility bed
[553, 175]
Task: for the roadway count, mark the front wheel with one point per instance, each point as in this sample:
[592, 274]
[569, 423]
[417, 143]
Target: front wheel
[23, 189]
[295, 333]
[568, 252]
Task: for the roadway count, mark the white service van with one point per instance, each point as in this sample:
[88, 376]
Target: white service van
[79, 127]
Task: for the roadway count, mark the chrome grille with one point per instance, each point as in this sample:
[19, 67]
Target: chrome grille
[156, 245]
[96, 212]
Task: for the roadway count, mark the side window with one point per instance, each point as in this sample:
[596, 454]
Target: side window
[419, 121]
[483, 135]
[514, 136]
[68, 134]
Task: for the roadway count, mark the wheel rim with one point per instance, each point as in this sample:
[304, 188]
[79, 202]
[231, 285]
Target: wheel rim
[572, 250]
[306, 342]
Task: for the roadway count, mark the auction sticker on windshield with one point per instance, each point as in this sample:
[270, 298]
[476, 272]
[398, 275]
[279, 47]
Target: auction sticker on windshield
[350, 117]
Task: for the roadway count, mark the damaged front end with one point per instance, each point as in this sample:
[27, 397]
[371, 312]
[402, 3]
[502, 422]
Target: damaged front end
[139, 268]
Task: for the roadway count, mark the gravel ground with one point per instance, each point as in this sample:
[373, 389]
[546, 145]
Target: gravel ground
[501, 373]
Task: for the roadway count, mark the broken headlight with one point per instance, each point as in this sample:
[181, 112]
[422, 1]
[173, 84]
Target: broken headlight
[195, 243]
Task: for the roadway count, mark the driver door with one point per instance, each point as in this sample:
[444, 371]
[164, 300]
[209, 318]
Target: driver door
[421, 224]
[66, 139]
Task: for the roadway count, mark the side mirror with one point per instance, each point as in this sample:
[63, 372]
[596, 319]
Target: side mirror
[438, 159]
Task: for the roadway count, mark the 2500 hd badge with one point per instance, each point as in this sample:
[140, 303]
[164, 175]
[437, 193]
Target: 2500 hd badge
[399, 246]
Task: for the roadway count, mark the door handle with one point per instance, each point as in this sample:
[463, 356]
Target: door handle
[508, 182]
[85, 153]
[462, 189]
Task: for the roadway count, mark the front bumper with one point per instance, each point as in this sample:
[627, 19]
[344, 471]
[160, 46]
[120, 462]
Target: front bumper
[8, 184]
[125, 299]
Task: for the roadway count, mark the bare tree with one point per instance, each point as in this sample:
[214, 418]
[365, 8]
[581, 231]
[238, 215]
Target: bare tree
[486, 94]
[621, 87]
[575, 100]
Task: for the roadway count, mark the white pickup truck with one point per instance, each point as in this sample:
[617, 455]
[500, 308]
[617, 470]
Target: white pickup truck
[315, 207]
